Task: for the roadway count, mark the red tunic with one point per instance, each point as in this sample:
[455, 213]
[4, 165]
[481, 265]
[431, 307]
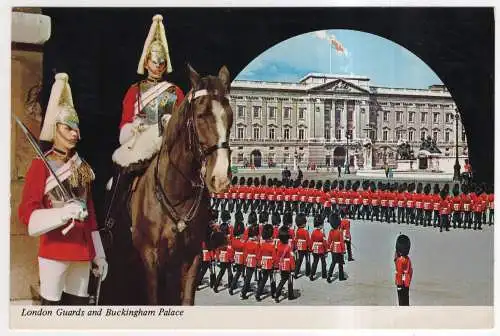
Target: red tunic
[401, 199]
[285, 259]
[225, 254]
[77, 244]
[268, 254]
[404, 271]
[251, 253]
[336, 242]
[302, 239]
[207, 255]
[238, 245]
[345, 225]
[130, 99]
[444, 207]
[318, 243]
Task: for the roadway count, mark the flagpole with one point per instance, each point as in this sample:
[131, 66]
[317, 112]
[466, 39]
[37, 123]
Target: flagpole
[330, 45]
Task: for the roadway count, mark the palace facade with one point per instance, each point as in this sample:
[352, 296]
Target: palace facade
[324, 118]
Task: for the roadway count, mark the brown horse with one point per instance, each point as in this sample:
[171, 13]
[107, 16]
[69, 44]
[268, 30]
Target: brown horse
[169, 208]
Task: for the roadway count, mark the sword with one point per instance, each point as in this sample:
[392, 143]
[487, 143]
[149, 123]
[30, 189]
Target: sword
[33, 142]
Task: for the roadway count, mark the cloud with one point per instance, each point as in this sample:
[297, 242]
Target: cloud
[273, 71]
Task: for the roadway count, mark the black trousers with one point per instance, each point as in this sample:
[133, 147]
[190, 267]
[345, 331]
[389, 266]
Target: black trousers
[410, 215]
[392, 215]
[223, 267]
[375, 212]
[456, 219]
[248, 278]
[303, 254]
[403, 295]
[383, 213]
[401, 214]
[419, 220]
[467, 219]
[285, 276]
[365, 212]
[231, 205]
[266, 274]
[349, 249]
[205, 265]
[236, 277]
[477, 220]
[436, 218]
[337, 258]
[444, 222]
[428, 217]
[491, 216]
[316, 258]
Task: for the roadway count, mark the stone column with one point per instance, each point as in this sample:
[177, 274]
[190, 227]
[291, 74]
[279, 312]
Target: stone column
[30, 30]
[343, 120]
[355, 121]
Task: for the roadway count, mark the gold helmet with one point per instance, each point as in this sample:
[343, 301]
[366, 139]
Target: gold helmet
[60, 109]
[155, 45]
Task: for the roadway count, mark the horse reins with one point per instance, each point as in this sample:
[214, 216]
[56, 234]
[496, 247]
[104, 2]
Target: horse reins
[202, 155]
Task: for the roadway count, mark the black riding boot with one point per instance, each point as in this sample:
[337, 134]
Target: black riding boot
[73, 300]
[45, 302]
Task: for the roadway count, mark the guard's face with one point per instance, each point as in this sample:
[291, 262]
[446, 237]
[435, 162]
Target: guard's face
[66, 137]
[156, 62]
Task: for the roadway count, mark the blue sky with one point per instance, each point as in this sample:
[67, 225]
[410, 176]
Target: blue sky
[383, 61]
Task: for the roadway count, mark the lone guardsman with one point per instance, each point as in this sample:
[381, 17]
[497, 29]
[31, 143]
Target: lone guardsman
[404, 270]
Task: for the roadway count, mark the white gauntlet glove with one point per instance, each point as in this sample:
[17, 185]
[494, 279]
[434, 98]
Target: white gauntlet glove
[45, 220]
[100, 257]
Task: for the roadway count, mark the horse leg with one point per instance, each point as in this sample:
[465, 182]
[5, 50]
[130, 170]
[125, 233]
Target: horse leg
[149, 257]
[188, 281]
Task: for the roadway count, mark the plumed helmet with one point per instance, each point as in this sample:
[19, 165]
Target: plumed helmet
[275, 218]
[267, 231]
[300, 220]
[225, 216]
[156, 42]
[403, 245]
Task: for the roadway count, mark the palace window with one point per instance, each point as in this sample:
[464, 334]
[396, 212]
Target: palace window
[302, 112]
[241, 132]
[385, 135]
[256, 111]
[301, 134]
[410, 135]
[338, 134]
[411, 117]
[399, 116]
[435, 136]
[271, 133]
[399, 134]
[286, 134]
[422, 134]
[286, 112]
[436, 118]
[240, 157]
[386, 115]
[447, 136]
[256, 133]
[423, 117]
[286, 157]
[327, 134]
[449, 117]
[272, 112]
[241, 111]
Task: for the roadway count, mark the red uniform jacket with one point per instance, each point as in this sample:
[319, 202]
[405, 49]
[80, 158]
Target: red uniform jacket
[302, 239]
[401, 200]
[375, 198]
[318, 243]
[130, 99]
[238, 245]
[285, 259]
[251, 253]
[404, 271]
[77, 244]
[444, 208]
[491, 201]
[417, 198]
[456, 203]
[207, 254]
[466, 203]
[268, 254]
[336, 242]
[427, 199]
[409, 200]
[345, 226]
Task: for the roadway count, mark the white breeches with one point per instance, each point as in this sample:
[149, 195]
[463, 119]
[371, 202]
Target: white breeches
[57, 276]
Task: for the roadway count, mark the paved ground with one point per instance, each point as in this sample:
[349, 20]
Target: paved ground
[450, 268]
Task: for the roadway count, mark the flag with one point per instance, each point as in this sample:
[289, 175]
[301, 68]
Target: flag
[337, 45]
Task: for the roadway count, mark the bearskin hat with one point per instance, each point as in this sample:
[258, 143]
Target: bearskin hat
[327, 186]
[401, 188]
[278, 184]
[270, 183]
[348, 185]
[283, 234]
[479, 189]
[311, 184]
[296, 184]
[288, 207]
[436, 189]
[267, 231]
[216, 239]
[213, 215]
[263, 216]
[456, 189]
[403, 245]
[464, 188]
[427, 189]
[256, 182]
[252, 218]
[405, 186]
[239, 229]
[275, 218]
[300, 220]
[411, 187]
[446, 187]
[242, 181]
[253, 231]
[366, 185]
[373, 186]
[443, 194]
[305, 183]
[263, 180]
[380, 185]
[287, 218]
[318, 220]
[341, 185]
[225, 216]
[224, 228]
[319, 184]
[250, 181]
[234, 180]
[355, 185]
[334, 220]
[419, 187]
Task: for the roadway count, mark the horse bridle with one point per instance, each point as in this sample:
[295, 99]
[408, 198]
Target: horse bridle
[202, 158]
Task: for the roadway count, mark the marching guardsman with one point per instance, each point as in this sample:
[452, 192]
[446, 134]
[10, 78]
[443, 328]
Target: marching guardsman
[61, 211]
[238, 215]
[366, 196]
[404, 269]
[375, 201]
[267, 261]
[466, 206]
[295, 195]
[225, 256]
[276, 221]
[477, 207]
[436, 202]
[233, 193]
[255, 205]
[347, 198]
[427, 200]
[326, 204]
[419, 205]
[251, 221]
[263, 220]
[208, 250]
[456, 203]
[318, 247]
[241, 193]
[279, 197]
[334, 194]
[285, 263]
[251, 255]
[401, 202]
[237, 245]
[248, 195]
[345, 226]
[340, 195]
[410, 204]
[484, 197]
[491, 205]
[225, 224]
[444, 211]
[271, 196]
[336, 246]
[302, 242]
[316, 198]
[356, 200]
[384, 189]
[391, 200]
[287, 223]
[302, 197]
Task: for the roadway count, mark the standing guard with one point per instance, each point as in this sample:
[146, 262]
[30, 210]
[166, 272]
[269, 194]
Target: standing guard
[336, 246]
[456, 203]
[345, 226]
[238, 245]
[267, 261]
[467, 206]
[404, 269]
[491, 205]
[286, 264]
[419, 205]
[427, 200]
[410, 204]
[302, 242]
[391, 197]
[318, 247]
[401, 201]
[436, 199]
[375, 201]
[444, 212]
[251, 255]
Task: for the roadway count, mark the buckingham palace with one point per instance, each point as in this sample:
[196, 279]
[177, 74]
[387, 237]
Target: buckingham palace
[323, 119]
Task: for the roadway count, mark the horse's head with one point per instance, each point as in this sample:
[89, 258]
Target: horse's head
[213, 118]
